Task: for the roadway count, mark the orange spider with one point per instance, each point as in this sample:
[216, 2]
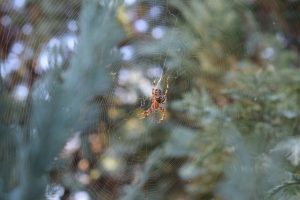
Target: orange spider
[157, 100]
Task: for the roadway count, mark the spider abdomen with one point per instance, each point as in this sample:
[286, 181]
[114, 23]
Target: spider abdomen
[160, 99]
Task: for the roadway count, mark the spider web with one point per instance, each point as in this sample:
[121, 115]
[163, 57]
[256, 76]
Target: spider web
[94, 161]
[108, 151]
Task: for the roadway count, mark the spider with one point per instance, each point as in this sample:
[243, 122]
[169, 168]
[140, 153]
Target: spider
[157, 100]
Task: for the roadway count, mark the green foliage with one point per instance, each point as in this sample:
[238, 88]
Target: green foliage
[232, 147]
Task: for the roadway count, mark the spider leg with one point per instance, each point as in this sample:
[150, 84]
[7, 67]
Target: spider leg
[163, 113]
[153, 87]
[148, 112]
[153, 83]
[167, 87]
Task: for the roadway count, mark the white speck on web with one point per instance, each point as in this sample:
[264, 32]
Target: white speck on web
[19, 4]
[129, 2]
[141, 25]
[154, 11]
[73, 144]
[72, 25]
[268, 53]
[127, 52]
[27, 29]
[70, 41]
[81, 195]
[17, 48]
[12, 63]
[54, 43]
[21, 92]
[158, 32]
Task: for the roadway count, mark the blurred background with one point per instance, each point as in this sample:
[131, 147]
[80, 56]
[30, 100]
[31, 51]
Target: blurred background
[76, 77]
